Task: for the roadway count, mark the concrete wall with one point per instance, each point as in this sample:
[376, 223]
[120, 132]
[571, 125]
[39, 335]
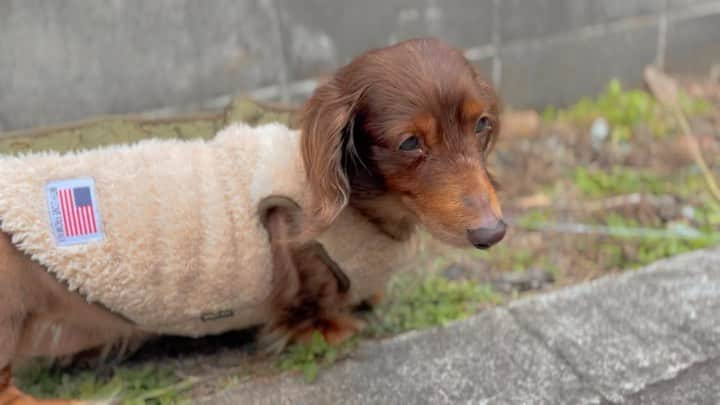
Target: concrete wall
[69, 59]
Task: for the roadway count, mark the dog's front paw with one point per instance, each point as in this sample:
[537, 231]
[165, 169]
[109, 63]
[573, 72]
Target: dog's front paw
[321, 303]
[335, 329]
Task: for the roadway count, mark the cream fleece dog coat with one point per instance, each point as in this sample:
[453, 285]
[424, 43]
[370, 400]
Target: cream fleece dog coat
[166, 233]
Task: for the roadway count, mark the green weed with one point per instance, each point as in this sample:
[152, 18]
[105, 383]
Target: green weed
[595, 183]
[629, 253]
[430, 302]
[624, 110]
[148, 384]
[308, 359]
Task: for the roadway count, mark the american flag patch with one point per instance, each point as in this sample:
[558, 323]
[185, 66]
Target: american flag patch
[74, 216]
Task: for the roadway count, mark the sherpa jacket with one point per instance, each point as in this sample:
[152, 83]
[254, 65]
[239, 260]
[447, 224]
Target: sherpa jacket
[166, 233]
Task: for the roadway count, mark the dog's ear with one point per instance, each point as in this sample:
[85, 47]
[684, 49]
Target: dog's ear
[325, 123]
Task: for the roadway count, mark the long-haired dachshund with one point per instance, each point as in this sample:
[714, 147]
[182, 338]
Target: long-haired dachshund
[401, 135]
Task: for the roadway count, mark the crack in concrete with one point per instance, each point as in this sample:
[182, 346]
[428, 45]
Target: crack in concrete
[637, 333]
[640, 337]
[559, 355]
[659, 384]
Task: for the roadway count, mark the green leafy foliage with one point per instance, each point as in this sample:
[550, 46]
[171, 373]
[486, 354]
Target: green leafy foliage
[148, 384]
[419, 304]
[624, 110]
[595, 183]
[641, 251]
[631, 242]
[309, 358]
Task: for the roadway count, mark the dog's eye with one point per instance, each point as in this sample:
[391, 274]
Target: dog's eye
[412, 143]
[483, 125]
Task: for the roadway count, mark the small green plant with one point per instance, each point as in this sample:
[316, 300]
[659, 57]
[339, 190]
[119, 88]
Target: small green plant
[308, 359]
[125, 385]
[534, 216]
[628, 253]
[708, 215]
[595, 183]
[624, 110]
[430, 302]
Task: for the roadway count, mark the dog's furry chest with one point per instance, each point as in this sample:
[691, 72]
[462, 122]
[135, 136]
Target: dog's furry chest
[180, 248]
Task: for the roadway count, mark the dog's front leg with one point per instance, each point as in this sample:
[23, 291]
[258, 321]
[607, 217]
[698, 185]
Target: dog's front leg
[281, 217]
[310, 289]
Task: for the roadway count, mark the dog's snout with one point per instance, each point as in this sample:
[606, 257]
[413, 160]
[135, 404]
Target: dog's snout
[484, 237]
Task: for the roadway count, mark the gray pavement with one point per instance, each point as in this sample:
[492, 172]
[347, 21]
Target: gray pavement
[648, 336]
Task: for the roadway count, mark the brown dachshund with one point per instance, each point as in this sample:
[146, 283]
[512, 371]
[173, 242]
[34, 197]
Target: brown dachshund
[401, 135]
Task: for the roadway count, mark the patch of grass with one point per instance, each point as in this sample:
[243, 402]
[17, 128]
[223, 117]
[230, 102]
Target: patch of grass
[514, 258]
[647, 253]
[430, 302]
[534, 216]
[553, 269]
[595, 183]
[708, 215]
[624, 110]
[308, 359]
[632, 242]
[148, 384]
[637, 252]
[520, 258]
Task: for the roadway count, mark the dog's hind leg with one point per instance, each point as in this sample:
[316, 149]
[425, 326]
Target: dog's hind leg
[14, 309]
[40, 317]
[8, 340]
[12, 315]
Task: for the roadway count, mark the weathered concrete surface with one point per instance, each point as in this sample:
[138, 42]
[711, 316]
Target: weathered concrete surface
[63, 61]
[692, 43]
[647, 336]
[696, 385]
[560, 69]
[67, 60]
[531, 19]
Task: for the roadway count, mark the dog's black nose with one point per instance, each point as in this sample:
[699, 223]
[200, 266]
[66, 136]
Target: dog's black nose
[483, 238]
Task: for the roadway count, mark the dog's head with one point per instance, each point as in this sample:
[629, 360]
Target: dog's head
[407, 129]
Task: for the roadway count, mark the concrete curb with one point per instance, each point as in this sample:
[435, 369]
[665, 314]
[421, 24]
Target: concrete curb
[647, 336]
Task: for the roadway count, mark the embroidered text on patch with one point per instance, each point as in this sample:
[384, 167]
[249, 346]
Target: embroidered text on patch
[74, 216]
